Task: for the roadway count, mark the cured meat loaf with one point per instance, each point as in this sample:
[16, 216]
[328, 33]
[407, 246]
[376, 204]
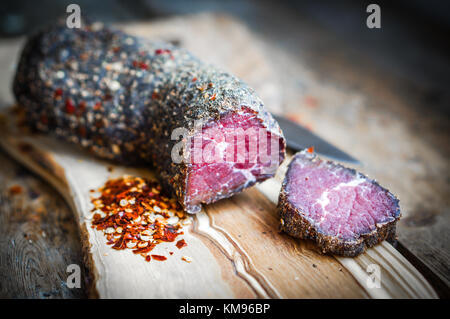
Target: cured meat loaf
[134, 100]
[340, 209]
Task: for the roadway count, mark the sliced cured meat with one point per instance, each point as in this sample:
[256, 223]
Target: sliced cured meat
[342, 210]
[125, 98]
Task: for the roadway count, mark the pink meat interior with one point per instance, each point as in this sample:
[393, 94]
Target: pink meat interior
[338, 201]
[228, 156]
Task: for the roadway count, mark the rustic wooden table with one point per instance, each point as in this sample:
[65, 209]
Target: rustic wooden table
[382, 95]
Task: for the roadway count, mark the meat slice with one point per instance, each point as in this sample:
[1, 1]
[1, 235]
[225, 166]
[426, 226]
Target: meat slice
[125, 98]
[342, 210]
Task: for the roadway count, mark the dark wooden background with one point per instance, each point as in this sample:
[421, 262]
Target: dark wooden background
[404, 67]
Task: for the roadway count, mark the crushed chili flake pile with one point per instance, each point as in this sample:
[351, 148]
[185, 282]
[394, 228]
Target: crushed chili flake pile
[133, 213]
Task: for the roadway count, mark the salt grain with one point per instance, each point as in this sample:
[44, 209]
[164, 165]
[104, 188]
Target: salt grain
[109, 230]
[123, 202]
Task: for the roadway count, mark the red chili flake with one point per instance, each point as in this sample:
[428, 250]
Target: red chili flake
[170, 234]
[148, 258]
[310, 149]
[158, 257]
[135, 63]
[119, 244]
[16, 189]
[143, 66]
[181, 243]
[194, 79]
[57, 93]
[70, 108]
[171, 253]
[161, 51]
[210, 85]
[155, 96]
[213, 97]
[144, 250]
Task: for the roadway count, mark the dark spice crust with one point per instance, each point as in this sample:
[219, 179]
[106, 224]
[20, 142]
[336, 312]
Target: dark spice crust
[293, 222]
[121, 96]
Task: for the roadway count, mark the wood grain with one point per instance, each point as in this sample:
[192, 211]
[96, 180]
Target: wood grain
[39, 238]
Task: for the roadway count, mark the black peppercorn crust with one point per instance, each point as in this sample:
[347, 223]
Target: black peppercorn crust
[294, 223]
[121, 96]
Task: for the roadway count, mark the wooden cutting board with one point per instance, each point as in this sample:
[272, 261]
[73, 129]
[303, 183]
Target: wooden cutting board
[235, 246]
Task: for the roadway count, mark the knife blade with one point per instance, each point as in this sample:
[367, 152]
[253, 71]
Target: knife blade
[299, 138]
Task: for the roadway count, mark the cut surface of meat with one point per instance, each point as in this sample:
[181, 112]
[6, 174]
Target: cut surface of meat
[341, 209]
[231, 154]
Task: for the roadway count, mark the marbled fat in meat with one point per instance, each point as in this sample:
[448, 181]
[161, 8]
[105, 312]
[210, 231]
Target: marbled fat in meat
[341, 209]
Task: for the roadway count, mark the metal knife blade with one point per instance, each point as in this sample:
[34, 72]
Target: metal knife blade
[299, 138]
